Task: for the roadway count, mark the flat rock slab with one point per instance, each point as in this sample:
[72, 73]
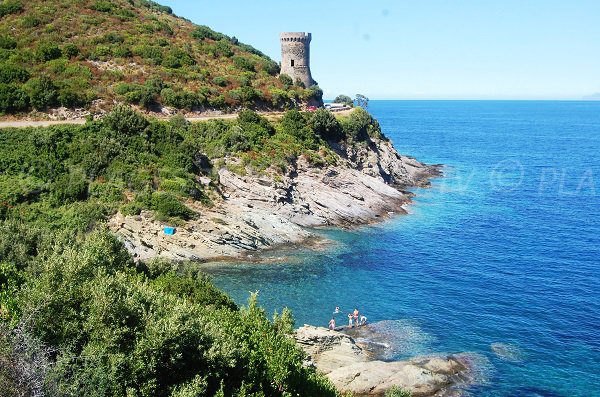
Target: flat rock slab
[351, 368]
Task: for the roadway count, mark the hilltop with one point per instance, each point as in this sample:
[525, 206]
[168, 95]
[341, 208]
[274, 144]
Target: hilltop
[92, 54]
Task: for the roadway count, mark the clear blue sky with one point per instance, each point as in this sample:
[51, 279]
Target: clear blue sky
[419, 49]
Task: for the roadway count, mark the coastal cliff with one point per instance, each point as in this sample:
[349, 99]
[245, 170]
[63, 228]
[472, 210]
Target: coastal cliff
[257, 211]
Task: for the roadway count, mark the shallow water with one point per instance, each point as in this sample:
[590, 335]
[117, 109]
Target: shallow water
[500, 258]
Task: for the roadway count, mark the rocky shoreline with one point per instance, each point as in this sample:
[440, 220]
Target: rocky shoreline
[355, 367]
[255, 212]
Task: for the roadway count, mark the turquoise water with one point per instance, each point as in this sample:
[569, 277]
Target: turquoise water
[500, 258]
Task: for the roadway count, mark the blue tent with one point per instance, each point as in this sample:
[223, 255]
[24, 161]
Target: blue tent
[169, 231]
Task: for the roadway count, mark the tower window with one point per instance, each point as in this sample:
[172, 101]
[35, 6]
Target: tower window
[292, 62]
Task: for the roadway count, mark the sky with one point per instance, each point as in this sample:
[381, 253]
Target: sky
[426, 49]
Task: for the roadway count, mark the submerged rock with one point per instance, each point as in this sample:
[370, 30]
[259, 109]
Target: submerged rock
[353, 368]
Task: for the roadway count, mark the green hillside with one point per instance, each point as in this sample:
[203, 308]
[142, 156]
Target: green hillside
[91, 53]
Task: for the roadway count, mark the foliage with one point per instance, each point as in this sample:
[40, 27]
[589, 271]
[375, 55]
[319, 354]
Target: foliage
[326, 125]
[12, 98]
[167, 205]
[286, 80]
[362, 101]
[139, 40]
[396, 391]
[103, 326]
[10, 7]
[360, 126]
[125, 120]
[345, 99]
[42, 92]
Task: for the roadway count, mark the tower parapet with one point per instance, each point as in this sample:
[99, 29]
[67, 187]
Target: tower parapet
[295, 56]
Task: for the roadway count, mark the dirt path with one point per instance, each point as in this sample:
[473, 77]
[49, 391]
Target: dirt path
[48, 123]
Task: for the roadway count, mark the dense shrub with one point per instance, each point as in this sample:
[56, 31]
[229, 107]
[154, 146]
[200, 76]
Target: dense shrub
[204, 32]
[149, 52]
[326, 125]
[103, 6]
[360, 125]
[223, 48]
[180, 99]
[42, 92]
[70, 50]
[294, 124]
[12, 98]
[177, 58]
[10, 7]
[7, 42]
[221, 81]
[243, 63]
[69, 188]
[10, 73]
[286, 80]
[47, 52]
[125, 120]
[168, 205]
[117, 329]
[246, 95]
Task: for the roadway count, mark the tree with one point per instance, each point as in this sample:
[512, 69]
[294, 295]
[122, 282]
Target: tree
[362, 101]
[345, 99]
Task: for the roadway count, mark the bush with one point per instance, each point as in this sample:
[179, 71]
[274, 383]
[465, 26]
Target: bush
[70, 50]
[47, 52]
[243, 63]
[103, 6]
[10, 7]
[168, 205]
[10, 73]
[175, 59]
[12, 98]
[204, 32]
[8, 43]
[220, 81]
[42, 93]
[69, 188]
[326, 125]
[245, 95]
[179, 99]
[149, 52]
[286, 80]
[125, 120]
[360, 125]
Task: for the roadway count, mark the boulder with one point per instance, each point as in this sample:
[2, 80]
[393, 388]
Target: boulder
[351, 367]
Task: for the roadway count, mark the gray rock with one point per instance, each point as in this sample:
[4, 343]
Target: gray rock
[352, 368]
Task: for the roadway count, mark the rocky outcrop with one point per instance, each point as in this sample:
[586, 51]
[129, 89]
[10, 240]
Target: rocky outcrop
[353, 368]
[257, 211]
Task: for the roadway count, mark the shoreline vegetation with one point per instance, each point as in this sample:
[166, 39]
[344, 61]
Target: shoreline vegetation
[80, 314]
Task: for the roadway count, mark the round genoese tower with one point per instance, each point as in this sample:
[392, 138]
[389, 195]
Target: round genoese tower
[295, 56]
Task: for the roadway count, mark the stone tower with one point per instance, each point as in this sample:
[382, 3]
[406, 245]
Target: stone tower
[295, 56]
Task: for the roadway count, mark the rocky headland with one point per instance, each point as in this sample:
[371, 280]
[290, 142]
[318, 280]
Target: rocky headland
[358, 367]
[257, 211]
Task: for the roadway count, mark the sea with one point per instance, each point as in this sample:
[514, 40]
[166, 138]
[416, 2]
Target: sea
[499, 258]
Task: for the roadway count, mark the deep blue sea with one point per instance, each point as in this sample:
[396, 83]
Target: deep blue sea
[501, 257]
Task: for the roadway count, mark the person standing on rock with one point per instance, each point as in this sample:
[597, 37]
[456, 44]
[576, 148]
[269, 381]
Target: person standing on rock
[350, 320]
[356, 316]
[332, 324]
